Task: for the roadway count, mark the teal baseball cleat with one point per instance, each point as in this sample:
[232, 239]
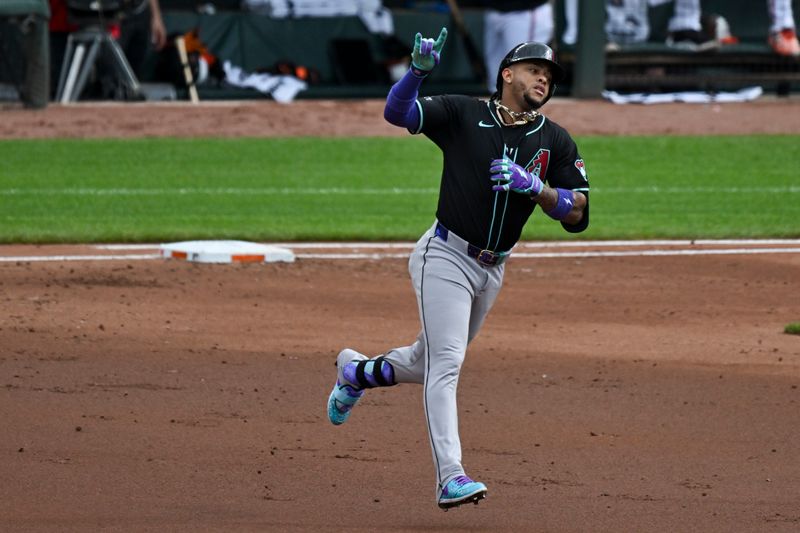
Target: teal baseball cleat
[461, 490]
[341, 401]
[344, 396]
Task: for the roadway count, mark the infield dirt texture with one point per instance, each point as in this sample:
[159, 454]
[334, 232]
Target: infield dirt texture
[617, 393]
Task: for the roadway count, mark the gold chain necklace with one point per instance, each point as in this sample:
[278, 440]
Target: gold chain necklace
[519, 118]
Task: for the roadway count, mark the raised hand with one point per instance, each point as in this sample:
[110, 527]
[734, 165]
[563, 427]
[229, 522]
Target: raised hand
[509, 176]
[427, 52]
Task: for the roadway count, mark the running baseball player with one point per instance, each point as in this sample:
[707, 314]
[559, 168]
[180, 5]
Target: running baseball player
[502, 158]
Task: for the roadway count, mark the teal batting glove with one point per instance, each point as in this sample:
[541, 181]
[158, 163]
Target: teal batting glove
[427, 53]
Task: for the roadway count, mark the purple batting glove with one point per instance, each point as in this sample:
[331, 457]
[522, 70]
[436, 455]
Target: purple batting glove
[509, 176]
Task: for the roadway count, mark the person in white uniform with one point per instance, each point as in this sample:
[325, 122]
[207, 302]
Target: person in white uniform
[507, 23]
[782, 32]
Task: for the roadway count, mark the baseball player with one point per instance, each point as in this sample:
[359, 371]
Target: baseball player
[502, 158]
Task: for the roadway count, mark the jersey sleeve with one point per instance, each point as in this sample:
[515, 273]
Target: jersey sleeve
[439, 117]
[569, 172]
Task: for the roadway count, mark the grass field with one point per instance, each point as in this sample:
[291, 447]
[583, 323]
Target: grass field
[150, 190]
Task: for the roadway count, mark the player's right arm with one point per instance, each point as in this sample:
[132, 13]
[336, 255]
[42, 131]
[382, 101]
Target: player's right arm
[401, 104]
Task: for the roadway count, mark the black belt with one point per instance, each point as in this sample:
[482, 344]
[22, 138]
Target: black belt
[481, 255]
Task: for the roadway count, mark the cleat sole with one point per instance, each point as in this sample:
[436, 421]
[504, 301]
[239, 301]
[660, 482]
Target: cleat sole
[472, 498]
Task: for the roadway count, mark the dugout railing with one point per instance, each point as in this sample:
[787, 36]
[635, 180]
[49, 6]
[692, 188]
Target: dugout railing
[256, 42]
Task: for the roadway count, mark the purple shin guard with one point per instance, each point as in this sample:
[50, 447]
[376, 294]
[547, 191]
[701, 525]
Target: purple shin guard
[370, 373]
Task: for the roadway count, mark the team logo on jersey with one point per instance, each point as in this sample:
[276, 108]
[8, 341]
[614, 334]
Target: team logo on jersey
[428, 99]
[538, 165]
[482, 124]
[581, 168]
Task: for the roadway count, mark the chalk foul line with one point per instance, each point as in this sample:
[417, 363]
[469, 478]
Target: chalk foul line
[368, 191]
[355, 251]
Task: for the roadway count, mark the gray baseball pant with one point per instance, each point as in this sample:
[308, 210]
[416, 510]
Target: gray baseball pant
[454, 294]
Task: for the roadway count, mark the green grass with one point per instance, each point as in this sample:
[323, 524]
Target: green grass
[792, 329]
[375, 188]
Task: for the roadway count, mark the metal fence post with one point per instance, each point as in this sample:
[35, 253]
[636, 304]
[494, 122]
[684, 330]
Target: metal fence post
[590, 55]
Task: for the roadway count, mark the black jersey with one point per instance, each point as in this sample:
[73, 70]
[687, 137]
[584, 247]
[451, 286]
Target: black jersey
[471, 136]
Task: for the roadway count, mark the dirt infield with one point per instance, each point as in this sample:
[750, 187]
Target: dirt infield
[641, 392]
[351, 118]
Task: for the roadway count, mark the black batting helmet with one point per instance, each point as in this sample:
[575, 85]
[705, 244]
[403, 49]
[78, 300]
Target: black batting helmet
[528, 52]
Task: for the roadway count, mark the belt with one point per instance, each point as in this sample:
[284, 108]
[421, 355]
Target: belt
[482, 256]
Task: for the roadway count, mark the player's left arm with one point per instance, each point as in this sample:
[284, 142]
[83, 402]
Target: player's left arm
[567, 205]
[560, 203]
[566, 199]
[565, 196]
[571, 182]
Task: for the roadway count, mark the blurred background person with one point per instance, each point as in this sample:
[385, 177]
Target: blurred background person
[60, 28]
[627, 21]
[510, 22]
[686, 26]
[139, 31]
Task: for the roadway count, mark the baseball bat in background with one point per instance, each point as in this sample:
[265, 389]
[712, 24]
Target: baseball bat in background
[474, 56]
[180, 44]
